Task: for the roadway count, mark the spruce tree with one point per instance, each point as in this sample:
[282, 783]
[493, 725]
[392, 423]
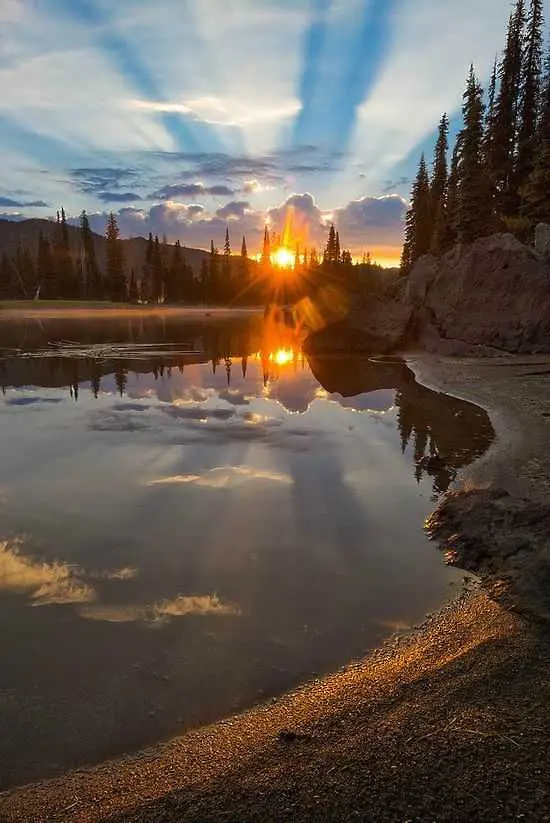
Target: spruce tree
[91, 286]
[48, 282]
[418, 223]
[536, 192]
[438, 188]
[501, 140]
[474, 206]
[213, 275]
[116, 280]
[227, 285]
[530, 94]
[68, 284]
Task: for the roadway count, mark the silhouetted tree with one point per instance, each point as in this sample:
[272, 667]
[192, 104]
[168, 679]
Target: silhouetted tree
[91, 277]
[418, 226]
[48, 283]
[501, 142]
[116, 279]
[474, 207]
[530, 94]
[536, 192]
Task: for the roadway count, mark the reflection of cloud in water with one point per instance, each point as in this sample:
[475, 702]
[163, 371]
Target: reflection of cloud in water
[197, 413]
[161, 612]
[223, 477]
[235, 397]
[128, 573]
[46, 583]
[380, 401]
[33, 401]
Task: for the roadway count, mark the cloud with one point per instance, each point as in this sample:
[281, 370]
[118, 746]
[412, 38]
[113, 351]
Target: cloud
[176, 190]
[118, 197]
[161, 612]
[369, 222]
[8, 203]
[219, 111]
[45, 583]
[233, 210]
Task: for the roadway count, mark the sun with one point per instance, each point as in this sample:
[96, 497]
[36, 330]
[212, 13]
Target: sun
[282, 356]
[283, 258]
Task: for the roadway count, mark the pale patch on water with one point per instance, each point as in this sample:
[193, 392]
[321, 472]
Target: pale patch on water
[161, 612]
[223, 477]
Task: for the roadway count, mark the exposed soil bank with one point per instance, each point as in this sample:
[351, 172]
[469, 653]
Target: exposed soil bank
[450, 723]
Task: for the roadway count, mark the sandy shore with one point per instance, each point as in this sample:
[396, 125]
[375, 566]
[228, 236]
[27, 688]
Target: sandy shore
[28, 310]
[450, 723]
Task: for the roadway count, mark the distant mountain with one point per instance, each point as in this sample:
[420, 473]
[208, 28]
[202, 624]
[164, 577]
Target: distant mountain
[25, 233]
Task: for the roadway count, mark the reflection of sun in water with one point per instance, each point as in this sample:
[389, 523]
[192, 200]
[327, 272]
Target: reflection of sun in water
[283, 258]
[282, 356]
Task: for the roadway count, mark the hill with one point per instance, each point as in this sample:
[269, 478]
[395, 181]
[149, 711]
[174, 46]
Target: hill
[25, 233]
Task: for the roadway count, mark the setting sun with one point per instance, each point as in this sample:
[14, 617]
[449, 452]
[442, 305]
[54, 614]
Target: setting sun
[282, 356]
[283, 258]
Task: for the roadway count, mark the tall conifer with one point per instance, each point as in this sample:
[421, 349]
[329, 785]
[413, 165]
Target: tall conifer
[530, 93]
[418, 226]
[474, 206]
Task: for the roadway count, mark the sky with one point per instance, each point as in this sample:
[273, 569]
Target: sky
[187, 117]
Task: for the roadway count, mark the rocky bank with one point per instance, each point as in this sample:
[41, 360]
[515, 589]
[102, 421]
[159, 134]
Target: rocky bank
[488, 297]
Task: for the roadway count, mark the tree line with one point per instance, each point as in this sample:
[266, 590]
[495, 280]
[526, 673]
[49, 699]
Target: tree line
[499, 174]
[61, 270]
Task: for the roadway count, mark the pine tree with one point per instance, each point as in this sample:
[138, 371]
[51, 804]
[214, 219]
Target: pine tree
[157, 271]
[536, 192]
[474, 206]
[266, 251]
[501, 141]
[133, 296]
[338, 250]
[418, 224]
[438, 188]
[6, 275]
[213, 275]
[244, 250]
[530, 94]
[331, 249]
[68, 284]
[116, 280]
[227, 285]
[48, 283]
[91, 286]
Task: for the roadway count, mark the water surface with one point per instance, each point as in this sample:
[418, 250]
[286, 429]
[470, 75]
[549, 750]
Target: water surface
[195, 517]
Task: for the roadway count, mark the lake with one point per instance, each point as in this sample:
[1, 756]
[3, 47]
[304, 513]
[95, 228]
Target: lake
[195, 517]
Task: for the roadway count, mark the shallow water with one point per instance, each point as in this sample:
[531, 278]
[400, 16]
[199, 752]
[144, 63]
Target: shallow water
[195, 517]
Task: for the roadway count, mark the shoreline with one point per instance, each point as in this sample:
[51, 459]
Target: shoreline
[108, 311]
[448, 722]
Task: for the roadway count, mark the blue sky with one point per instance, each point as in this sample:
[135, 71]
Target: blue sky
[187, 116]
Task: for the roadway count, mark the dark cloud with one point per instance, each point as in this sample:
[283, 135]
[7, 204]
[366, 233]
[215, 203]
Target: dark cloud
[102, 180]
[391, 185]
[372, 221]
[118, 197]
[8, 203]
[233, 210]
[177, 190]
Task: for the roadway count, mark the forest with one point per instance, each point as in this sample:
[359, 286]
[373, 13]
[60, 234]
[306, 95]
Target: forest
[499, 175]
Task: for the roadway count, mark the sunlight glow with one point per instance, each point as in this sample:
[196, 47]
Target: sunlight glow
[283, 258]
[282, 356]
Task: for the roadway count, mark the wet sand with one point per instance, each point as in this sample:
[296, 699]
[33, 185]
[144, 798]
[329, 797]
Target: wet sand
[448, 723]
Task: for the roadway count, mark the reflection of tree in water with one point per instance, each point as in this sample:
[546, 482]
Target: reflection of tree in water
[442, 433]
[445, 433]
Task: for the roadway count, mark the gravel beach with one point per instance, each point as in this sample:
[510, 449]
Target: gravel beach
[448, 723]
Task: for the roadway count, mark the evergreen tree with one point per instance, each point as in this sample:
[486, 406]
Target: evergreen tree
[536, 192]
[227, 286]
[48, 283]
[91, 285]
[157, 271]
[68, 284]
[474, 206]
[330, 256]
[438, 188]
[418, 224]
[204, 281]
[116, 280]
[338, 248]
[213, 275]
[501, 140]
[133, 295]
[244, 250]
[266, 251]
[6, 276]
[530, 94]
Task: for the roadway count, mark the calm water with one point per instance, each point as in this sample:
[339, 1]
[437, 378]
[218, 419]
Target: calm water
[194, 517]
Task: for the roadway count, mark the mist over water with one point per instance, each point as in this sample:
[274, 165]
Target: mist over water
[194, 517]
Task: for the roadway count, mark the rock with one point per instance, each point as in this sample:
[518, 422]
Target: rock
[494, 293]
[503, 539]
[542, 238]
[380, 327]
